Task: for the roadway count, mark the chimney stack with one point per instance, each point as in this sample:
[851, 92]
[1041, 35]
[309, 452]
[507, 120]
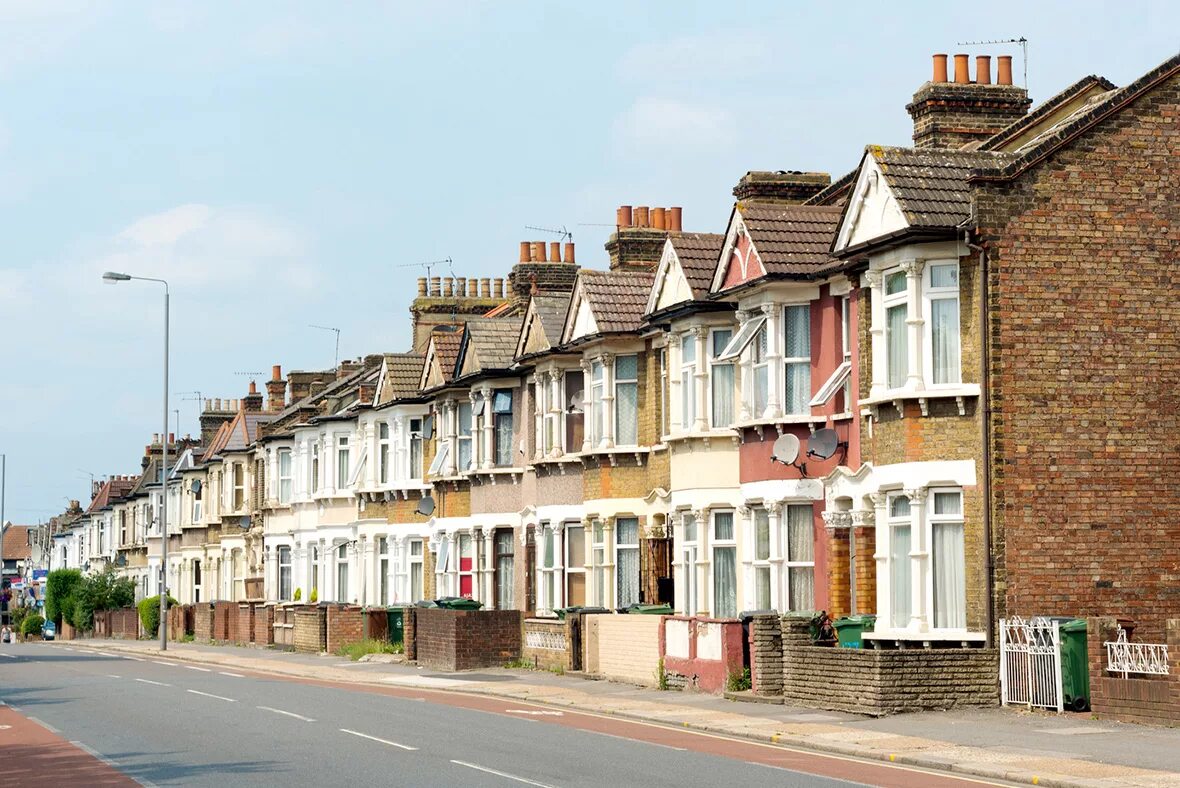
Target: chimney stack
[637, 243]
[253, 400]
[787, 187]
[960, 114]
[276, 390]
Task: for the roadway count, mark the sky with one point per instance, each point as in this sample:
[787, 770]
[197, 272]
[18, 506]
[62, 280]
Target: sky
[292, 163]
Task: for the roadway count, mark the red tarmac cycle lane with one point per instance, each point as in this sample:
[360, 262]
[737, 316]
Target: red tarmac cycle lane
[31, 755]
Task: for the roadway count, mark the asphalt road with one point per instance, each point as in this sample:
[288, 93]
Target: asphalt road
[167, 723]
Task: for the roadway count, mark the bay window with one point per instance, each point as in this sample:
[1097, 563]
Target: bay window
[575, 565]
[721, 380]
[285, 477]
[383, 452]
[688, 384]
[415, 571]
[596, 403]
[549, 578]
[463, 428]
[688, 558]
[342, 462]
[627, 400]
[761, 372]
[627, 560]
[724, 547]
[196, 514]
[314, 468]
[502, 427]
[800, 557]
[415, 448]
[896, 340]
[900, 591]
[383, 570]
[505, 562]
[846, 344]
[762, 574]
[797, 358]
[466, 559]
[284, 556]
[941, 293]
[239, 484]
[946, 540]
[575, 418]
[598, 561]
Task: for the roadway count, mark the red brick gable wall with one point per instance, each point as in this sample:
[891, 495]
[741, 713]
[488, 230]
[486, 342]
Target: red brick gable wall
[1085, 325]
[735, 273]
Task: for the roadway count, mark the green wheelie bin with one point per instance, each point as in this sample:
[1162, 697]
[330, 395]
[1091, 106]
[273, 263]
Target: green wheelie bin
[850, 629]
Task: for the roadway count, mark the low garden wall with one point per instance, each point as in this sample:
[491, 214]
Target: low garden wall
[700, 653]
[203, 618]
[454, 640]
[283, 626]
[766, 655]
[1153, 699]
[345, 624]
[264, 619]
[547, 643]
[122, 624]
[244, 631]
[310, 632]
[225, 621]
[622, 648]
[181, 621]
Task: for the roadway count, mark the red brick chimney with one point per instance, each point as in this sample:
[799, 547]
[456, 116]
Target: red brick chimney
[784, 186]
[276, 390]
[253, 400]
[953, 115]
[638, 241]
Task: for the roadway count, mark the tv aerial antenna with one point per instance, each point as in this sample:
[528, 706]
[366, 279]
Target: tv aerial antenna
[190, 396]
[563, 231]
[1023, 50]
[336, 360]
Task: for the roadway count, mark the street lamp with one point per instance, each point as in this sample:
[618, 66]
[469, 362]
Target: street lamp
[111, 277]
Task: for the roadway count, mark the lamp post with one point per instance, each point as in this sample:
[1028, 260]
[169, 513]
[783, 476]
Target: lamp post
[111, 277]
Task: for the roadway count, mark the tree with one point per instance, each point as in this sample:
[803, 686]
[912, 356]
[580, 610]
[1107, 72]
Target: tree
[106, 590]
[149, 613]
[60, 586]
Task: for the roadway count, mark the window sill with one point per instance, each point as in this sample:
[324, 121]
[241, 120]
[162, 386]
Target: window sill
[393, 492]
[612, 453]
[706, 436]
[495, 473]
[898, 398]
[904, 638]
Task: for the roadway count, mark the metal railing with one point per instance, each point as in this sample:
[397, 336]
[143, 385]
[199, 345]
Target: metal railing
[1124, 657]
[1030, 663]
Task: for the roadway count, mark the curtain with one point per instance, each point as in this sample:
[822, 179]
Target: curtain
[950, 582]
[800, 550]
[762, 583]
[797, 327]
[899, 574]
[798, 387]
[626, 414]
[503, 428]
[897, 346]
[723, 389]
[761, 534]
[725, 582]
[761, 388]
[627, 542]
[690, 581]
[944, 331]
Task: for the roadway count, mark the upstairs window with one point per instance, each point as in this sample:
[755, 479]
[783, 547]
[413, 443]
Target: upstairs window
[761, 372]
[502, 426]
[463, 427]
[941, 292]
[314, 472]
[721, 382]
[284, 476]
[342, 462]
[627, 400]
[896, 341]
[797, 358]
[383, 452]
[239, 482]
[688, 383]
[415, 449]
[596, 403]
[575, 418]
[846, 344]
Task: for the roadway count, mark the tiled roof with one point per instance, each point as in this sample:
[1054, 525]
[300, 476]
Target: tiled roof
[239, 432]
[401, 379]
[618, 299]
[110, 492]
[446, 351]
[698, 253]
[16, 542]
[930, 185]
[551, 309]
[834, 193]
[1039, 113]
[791, 239]
[493, 343]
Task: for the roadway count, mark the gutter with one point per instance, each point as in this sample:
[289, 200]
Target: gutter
[985, 430]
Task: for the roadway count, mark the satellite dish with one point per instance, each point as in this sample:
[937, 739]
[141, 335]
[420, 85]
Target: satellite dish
[244, 523]
[786, 449]
[823, 443]
[196, 486]
[426, 506]
[120, 560]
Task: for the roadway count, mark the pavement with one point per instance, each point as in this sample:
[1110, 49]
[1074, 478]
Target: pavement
[998, 744]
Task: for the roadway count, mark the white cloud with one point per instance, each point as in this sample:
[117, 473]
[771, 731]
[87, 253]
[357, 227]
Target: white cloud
[655, 124]
[717, 55]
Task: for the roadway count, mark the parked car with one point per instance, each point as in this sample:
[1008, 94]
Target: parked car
[48, 631]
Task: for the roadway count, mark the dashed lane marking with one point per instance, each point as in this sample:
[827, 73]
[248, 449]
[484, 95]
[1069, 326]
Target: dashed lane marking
[134, 659]
[194, 667]
[210, 695]
[374, 738]
[505, 775]
[113, 676]
[535, 712]
[286, 713]
[162, 662]
[157, 683]
[232, 675]
[10, 656]
[641, 741]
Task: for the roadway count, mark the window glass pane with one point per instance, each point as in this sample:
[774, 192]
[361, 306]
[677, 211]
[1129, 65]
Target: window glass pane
[897, 346]
[627, 414]
[948, 503]
[628, 576]
[944, 334]
[798, 388]
[944, 275]
[760, 345]
[723, 391]
[725, 582]
[797, 327]
[502, 401]
[762, 587]
[575, 545]
[575, 589]
[895, 283]
[761, 535]
[627, 531]
[899, 506]
[761, 389]
[464, 426]
[899, 574]
[800, 534]
[723, 525]
[627, 368]
[801, 587]
[690, 528]
[950, 580]
[503, 430]
[720, 338]
[688, 349]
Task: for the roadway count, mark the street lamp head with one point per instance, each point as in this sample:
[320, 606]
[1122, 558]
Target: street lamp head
[110, 277]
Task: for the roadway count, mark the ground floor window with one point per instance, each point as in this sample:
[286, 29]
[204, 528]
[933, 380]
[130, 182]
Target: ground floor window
[946, 541]
[724, 547]
[549, 572]
[505, 568]
[800, 557]
[688, 557]
[598, 559]
[416, 571]
[342, 573]
[762, 573]
[575, 565]
[284, 555]
[196, 581]
[466, 566]
[383, 570]
[627, 560]
[900, 592]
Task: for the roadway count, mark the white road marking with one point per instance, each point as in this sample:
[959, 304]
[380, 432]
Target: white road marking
[161, 662]
[208, 695]
[5, 727]
[536, 712]
[134, 659]
[45, 725]
[287, 713]
[194, 667]
[1080, 730]
[113, 676]
[640, 741]
[345, 664]
[96, 754]
[10, 656]
[505, 775]
[67, 648]
[88, 651]
[374, 738]
[157, 683]
[234, 675]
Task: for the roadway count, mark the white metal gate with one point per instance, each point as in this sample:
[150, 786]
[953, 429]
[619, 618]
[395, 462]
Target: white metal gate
[1030, 663]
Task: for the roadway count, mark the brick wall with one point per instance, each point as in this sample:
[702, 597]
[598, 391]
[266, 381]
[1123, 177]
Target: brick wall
[345, 624]
[311, 630]
[181, 621]
[375, 623]
[244, 631]
[766, 655]
[123, 624]
[1084, 323]
[715, 652]
[466, 639]
[264, 619]
[1138, 698]
[225, 621]
[622, 648]
[203, 617]
[410, 633]
[547, 643]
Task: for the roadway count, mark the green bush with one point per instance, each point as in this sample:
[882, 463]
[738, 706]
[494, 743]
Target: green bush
[32, 625]
[739, 682]
[60, 586]
[355, 651]
[103, 591]
[315, 595]
[149, 613]
[18, 615]
[298, 594]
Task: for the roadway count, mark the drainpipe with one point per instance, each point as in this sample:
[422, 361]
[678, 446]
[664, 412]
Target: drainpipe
[985, 435]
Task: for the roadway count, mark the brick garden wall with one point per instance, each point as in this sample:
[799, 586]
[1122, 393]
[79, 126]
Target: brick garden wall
[547, 643]
[454, 640]
[225, 621]
[311, 630]
[622, 648]
[766, 655]
[1139, 698]
[1084, 324]
[244, 631]
[345, 624]
[264, 619]
[203, 615]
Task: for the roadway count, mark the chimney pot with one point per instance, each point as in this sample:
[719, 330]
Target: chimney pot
[641, 216]
[675, 214]
[962, 76]
[983, 69]
[555, 251]
[436, 286]
[473, 288]
[421, 287]
[540, 251]
[569, 252]
[208, 404]
[276, 372]
[623, 217]
[525, 252]
[533, 256]
[939, 69]
[448, 286]
[498, 288]
[658, 219]
[253, 387]
[485, 288]
[1004, 70]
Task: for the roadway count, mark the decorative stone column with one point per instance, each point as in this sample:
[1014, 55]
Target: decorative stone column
[608, 401]
[875, 281]
[776, 515]
[701, 377]
[588, 416]
[745, 525]
[775, 373]
[745, 372]
[704, 584]
[914, 322]
[881, 559]
[556, 409]
[558, 565]
[920, 559]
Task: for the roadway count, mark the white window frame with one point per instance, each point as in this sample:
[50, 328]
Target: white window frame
[569, 566]
[763, 565]
[934, 520]
[792, 562]
[796, 361]
[415, 565]
[548, 596]
[502, 420]
[284, 592]
[340, 554]
[729, 543]
[314, 467]
[285, 481]
[619, 549]
[617, 381]
[714, 360]
[468, 539]
[930, 294]
[689, 548]
[890, 301]
[196, 513]
[597, 408]
[760, 362]
[384, 444]
[417, 450]
[688, 381]
[893, 522]
[383, 558]
[468, 437]
[343, 461]
[238, 495]
[602, 577]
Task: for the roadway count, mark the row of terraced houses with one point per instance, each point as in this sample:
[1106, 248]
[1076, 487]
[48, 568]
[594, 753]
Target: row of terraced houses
[986, 321]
